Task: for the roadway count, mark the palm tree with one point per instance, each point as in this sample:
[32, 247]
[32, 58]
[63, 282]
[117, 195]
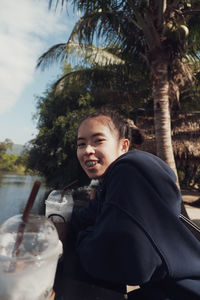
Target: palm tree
[156, 31]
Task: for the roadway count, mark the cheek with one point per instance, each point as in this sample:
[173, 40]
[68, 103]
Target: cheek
[78, 154]
[112, 156]
[118, 149]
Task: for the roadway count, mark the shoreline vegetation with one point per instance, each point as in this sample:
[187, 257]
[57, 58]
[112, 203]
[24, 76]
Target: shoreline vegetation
[13, 158]
[15, 164]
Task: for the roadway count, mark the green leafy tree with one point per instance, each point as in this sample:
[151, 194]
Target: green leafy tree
[8, 162]
[11, 162]
[163, 32]
[53, 151]
[2, 149]
[4, 146]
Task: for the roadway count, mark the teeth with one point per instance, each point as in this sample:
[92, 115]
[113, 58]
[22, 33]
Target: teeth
[91, 163]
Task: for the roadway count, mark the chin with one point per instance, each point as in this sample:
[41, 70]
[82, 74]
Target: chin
[93, 176]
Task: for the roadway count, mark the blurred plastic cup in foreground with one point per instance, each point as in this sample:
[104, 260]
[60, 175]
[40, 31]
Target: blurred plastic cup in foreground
[30, 274]
[59, 206]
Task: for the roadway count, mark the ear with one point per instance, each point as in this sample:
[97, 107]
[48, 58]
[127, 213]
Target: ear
[125, 145]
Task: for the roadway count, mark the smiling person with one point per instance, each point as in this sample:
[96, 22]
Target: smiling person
[130, 233]
[99, 145]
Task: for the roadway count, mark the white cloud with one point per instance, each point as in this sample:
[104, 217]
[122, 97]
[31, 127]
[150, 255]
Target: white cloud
[25, 27]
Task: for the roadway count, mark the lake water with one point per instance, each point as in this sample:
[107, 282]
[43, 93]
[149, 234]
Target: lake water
[14, 192]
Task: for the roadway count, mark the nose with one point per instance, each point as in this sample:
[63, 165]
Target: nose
[89, 149]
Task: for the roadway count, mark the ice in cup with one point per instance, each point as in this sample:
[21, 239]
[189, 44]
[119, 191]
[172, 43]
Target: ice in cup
[60, 205]
[29, 274]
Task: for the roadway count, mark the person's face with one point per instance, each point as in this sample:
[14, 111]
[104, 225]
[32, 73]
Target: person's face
[98, 145]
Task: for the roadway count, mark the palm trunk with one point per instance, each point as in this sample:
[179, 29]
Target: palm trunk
[162, 120]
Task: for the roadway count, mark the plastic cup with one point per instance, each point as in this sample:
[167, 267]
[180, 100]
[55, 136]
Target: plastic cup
[59, 208]
[30, 274]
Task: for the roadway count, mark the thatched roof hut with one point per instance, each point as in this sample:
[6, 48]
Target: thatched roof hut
[185, 136]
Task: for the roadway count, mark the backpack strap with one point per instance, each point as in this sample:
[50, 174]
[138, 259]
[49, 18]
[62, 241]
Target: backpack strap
[191, 226]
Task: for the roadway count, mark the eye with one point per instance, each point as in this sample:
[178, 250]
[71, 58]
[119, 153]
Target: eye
[79, 145]
[99, 140]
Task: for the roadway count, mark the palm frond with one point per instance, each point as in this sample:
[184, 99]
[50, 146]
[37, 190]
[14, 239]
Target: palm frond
[101, 57]
[162, 5]
[56, 3]
[102, 76]
[181, 76]
[54, 54]
[80, 52]
[146, 24]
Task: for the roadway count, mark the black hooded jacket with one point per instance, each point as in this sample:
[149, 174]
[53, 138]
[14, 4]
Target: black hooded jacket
[131, 232]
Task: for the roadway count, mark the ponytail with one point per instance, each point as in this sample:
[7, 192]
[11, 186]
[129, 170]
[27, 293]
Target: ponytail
[134, 134]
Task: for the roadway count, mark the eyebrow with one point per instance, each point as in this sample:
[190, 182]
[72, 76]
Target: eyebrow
[93, 135]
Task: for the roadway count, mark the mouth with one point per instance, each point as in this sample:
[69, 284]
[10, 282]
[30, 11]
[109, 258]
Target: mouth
[91, 163]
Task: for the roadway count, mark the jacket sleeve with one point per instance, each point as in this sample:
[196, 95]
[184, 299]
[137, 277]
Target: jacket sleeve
[84, 217]
[117, 248]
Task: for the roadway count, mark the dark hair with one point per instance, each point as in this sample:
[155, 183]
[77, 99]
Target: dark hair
[125, 127]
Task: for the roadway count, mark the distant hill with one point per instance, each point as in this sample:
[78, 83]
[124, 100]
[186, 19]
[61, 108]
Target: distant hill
[17, 149]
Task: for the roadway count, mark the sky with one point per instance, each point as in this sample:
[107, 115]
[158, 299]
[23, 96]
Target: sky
[27, 29]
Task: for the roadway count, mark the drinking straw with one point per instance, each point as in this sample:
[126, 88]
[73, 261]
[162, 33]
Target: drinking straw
[31, 200]
[25, 215]
[66, 187]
